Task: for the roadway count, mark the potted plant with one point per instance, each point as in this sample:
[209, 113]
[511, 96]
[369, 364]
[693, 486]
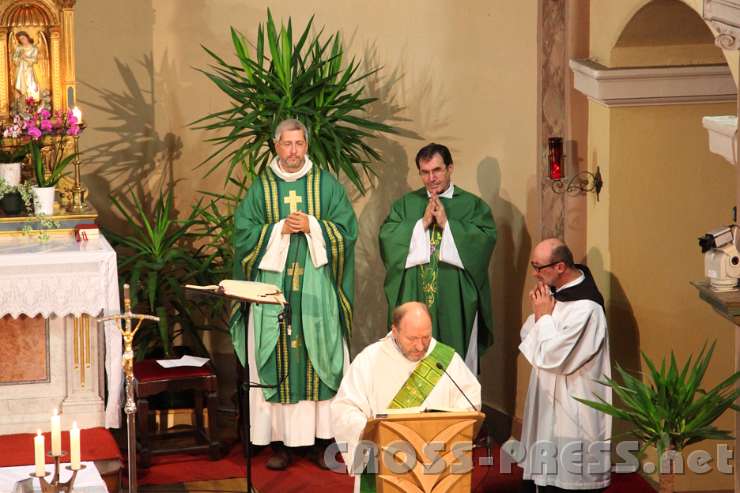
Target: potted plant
[47, 134]
[11, 158]
[672, 410]
[158, 259]
[308, 79]
[14, 199]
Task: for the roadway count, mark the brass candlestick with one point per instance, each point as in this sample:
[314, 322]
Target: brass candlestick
[128, 369]
[77, 204]
[56, 486]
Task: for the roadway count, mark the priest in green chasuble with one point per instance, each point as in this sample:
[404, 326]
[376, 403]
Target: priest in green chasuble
[436, 245]
[295, 229]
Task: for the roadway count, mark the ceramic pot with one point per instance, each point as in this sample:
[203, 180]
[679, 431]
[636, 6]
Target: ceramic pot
[44, 200]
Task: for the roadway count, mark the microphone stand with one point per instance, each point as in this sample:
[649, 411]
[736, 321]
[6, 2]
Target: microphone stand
[489, 459]
[247, 385]
[284, 318]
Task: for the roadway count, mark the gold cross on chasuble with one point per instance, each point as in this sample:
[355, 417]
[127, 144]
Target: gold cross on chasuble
[293, 199]
[296, 271]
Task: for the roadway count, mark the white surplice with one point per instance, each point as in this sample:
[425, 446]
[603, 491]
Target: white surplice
[299, 424]
[373, 380]
[568, 351]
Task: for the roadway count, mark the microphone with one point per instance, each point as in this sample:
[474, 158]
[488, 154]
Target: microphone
[489, 458]
[441, 367]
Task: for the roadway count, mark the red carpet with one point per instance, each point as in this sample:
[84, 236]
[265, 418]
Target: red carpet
[95, 443]
[304, 476]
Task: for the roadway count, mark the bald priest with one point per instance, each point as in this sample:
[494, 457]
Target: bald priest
[388, 375]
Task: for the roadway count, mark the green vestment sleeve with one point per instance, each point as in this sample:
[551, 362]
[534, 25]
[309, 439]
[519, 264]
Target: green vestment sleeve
[339, 227]
[251, 233]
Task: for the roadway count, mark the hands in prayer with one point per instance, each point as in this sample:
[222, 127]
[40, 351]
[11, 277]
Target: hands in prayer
[435, 212]
[542, 300]
[296, 222]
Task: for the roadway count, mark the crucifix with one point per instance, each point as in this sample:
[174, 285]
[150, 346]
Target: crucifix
[128, 333]
[293, 199]
[296, 271]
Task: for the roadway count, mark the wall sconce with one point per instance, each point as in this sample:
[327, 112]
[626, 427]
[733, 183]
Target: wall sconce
[582, 182]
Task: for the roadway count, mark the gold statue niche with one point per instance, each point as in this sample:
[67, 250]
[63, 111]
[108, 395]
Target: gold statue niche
[37, 54]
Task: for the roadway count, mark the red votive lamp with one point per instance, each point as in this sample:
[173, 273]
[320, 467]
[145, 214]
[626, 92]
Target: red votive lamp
[555, 157]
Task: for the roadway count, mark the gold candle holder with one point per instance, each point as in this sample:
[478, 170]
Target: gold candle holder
[77, 204]
[57, 486]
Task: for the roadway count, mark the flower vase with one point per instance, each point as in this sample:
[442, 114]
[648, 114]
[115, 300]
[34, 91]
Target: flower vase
[11, 173]
[43, 198]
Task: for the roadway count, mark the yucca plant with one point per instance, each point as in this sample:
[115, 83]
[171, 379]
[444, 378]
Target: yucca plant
[671, 410]
[214, 231]
[279, 79]
[157, 260]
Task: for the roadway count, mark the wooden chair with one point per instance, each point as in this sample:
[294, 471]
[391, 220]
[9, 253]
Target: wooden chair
[153, 379]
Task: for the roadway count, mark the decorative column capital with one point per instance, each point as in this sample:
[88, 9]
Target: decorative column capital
[724, 17]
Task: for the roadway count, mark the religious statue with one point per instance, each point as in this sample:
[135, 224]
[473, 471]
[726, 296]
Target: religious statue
[37, 46]
[25, 56]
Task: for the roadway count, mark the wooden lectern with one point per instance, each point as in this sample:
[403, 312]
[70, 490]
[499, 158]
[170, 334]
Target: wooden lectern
[429, 452]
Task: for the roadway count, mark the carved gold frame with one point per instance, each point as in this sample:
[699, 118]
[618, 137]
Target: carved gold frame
[56, 18]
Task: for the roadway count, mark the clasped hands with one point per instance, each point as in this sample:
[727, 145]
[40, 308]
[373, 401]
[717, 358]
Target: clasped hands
[296, 222]
[543, 302]
[435, 212]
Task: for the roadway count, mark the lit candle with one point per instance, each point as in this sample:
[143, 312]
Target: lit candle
[38, 449]
[74, 446]
[56, 434]
[78, 114]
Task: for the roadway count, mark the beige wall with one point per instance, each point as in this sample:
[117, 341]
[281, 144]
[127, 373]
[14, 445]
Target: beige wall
[454, 74]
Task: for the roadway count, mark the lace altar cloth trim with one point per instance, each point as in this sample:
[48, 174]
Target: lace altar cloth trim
[66, 278]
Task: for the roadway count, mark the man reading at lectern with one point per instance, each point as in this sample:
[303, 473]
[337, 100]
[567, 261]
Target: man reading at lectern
[400, 371]
[295, 229]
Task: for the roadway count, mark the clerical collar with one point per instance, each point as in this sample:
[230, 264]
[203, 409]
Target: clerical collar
[287, 176]
[572, 283]
[447, 194]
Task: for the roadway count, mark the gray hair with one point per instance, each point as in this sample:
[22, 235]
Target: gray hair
[287, 125]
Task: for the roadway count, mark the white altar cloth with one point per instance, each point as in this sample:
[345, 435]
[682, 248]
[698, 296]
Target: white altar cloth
[17, 480]
[64, 277]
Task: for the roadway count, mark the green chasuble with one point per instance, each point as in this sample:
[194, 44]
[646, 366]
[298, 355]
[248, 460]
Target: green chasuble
[309, 357]
[454, 296]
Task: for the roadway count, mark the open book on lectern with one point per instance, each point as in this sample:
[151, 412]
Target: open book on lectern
[420, 409]
[253, 292]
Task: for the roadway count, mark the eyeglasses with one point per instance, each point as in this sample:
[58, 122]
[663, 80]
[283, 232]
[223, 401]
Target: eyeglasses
[538, 268]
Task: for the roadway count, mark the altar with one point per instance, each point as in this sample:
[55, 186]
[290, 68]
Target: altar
[53, 354]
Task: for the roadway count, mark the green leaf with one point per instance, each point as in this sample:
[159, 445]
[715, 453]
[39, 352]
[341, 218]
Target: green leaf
[306, 79]
[671, 410]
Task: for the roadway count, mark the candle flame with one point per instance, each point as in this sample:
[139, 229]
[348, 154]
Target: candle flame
[74, 424]
[77, 113]
[38, 432]
[56, 412]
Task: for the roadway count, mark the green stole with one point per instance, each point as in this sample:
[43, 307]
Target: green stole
[414, 392]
